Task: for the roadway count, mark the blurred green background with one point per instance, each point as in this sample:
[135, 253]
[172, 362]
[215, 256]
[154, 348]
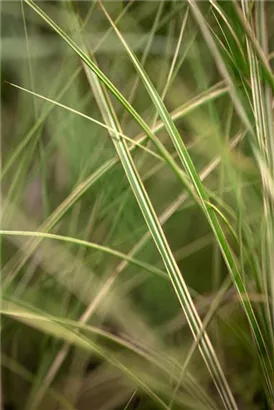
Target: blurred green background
[49, 153]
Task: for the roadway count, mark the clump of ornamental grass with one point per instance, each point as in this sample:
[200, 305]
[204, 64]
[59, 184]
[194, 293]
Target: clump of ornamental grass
[137, 205]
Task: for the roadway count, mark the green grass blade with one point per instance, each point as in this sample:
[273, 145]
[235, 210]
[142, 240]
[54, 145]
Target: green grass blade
[87, 244]
[87, 117]
[34, 129]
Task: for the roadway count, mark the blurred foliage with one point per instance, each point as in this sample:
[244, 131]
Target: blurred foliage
[48, 152]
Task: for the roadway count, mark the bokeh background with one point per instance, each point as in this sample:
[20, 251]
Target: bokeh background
[54, 180]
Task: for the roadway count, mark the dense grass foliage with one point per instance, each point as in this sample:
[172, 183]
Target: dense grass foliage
[137, 205]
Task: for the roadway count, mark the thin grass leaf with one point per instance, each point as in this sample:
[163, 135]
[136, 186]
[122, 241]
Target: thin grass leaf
[35, 129]
[262, 57]
[209, 316]
[87, 117]
[145, 53]
[221, 12]
[221, 65]
[211, 94]
[87, 244]
[172, 67]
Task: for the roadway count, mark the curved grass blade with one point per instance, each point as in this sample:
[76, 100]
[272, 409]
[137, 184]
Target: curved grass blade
[257, 49]
[35, 128]
[87, 117]
[87, 244]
